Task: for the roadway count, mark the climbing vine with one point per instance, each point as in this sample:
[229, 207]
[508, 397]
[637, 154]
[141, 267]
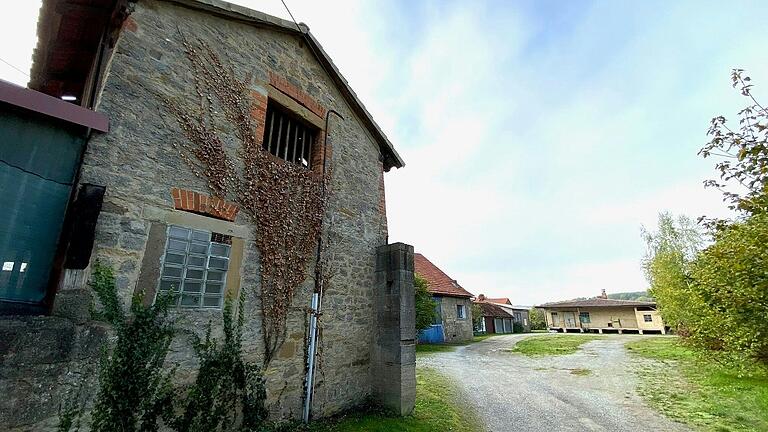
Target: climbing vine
[284, 201]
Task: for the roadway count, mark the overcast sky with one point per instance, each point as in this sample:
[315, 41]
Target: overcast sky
[538, 135]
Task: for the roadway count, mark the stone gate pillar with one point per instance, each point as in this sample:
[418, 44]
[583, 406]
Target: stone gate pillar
[394, 354]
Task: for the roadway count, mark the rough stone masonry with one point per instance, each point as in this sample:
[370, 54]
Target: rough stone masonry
[366, 348]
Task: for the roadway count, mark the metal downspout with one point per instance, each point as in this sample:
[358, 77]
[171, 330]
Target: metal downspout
[317, 295]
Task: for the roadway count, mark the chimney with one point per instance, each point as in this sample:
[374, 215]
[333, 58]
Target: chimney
[604, 295]
[481, 297]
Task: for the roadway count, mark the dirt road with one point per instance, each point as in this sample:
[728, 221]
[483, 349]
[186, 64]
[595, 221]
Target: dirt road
[512, 392]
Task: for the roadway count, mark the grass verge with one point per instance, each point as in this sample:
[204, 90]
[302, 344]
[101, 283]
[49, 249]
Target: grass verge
[447, 347]
[438, 408]
[552, 345]
[699, 391]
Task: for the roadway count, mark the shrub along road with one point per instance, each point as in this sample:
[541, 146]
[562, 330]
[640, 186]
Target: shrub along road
[592, 389]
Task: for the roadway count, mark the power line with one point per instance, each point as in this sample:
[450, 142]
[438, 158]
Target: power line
[289, 13]
[308, 41]
[1, 59]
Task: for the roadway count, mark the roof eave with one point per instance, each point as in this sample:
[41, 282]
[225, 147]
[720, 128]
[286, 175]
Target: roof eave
[50, 106]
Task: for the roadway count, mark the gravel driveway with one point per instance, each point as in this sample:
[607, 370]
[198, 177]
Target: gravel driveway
[513, 392]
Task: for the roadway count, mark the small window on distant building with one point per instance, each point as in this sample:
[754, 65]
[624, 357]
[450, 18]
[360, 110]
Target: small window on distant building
[584, 317]
[461, 311]
[195, 266]
[287, 136]
[438, 319]
[647, 318]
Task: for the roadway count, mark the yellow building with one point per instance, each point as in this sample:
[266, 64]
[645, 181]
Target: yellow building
[603, 315]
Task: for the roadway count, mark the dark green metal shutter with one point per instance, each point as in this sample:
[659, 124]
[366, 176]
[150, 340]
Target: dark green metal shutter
[39, 157]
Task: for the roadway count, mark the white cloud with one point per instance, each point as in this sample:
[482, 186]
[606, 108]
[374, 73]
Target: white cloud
[18, 31]
[537, 142]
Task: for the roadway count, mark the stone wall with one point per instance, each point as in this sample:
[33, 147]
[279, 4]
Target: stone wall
[138, 164]
[455, 329]
[44, 361]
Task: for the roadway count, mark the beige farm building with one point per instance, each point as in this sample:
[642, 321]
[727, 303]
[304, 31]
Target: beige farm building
[603, 315]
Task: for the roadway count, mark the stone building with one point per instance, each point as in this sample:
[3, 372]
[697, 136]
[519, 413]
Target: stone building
[138, 205]
[454, 305]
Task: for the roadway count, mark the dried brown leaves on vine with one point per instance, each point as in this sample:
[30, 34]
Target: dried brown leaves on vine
[284, 201]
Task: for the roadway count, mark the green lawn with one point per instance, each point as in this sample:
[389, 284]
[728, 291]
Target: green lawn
[433, 348]
[698, 391]
[552, 344]
[437, 409]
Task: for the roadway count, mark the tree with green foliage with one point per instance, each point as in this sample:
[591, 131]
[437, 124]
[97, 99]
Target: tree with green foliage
[743, 153]
[477, 317]
[718, 296]
[670, 252]
[537, 319]
[425, 306]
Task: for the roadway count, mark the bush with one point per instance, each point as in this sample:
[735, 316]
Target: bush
[425, 306]
[134, 388]
[517, 327]
[732, 283]
[537, 320]
[225, 385]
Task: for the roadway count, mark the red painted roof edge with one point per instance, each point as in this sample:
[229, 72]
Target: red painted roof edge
[48, 105]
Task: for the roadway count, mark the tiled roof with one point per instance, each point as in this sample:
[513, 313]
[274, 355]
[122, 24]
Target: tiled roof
[498, 300]
[492, 310]
[439, 282]
[598, 302]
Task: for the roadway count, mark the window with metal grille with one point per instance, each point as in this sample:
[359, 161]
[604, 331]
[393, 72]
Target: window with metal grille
[647, 318]
[584, 317]
[287, 136]
[195, 266]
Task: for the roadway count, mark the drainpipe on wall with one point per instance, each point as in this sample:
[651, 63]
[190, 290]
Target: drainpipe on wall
[317, 296]
[311, 355]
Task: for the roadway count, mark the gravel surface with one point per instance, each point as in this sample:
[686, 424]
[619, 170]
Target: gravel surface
[510, 391]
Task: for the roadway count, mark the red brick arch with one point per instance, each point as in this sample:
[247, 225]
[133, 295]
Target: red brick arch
[196, 202]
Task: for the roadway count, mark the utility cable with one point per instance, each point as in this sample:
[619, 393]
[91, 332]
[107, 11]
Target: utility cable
[1, 59]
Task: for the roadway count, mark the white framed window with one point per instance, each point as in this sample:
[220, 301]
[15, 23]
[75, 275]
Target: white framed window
[195, 265]
[647, 318]
[461, 311]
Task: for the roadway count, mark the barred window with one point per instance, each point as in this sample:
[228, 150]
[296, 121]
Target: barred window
[287, 136]
[195, 266]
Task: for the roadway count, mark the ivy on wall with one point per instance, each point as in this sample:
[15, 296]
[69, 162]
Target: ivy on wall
[284, 201]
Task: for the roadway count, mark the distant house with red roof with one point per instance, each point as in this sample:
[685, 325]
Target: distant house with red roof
[500, 315]
[454, 304]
